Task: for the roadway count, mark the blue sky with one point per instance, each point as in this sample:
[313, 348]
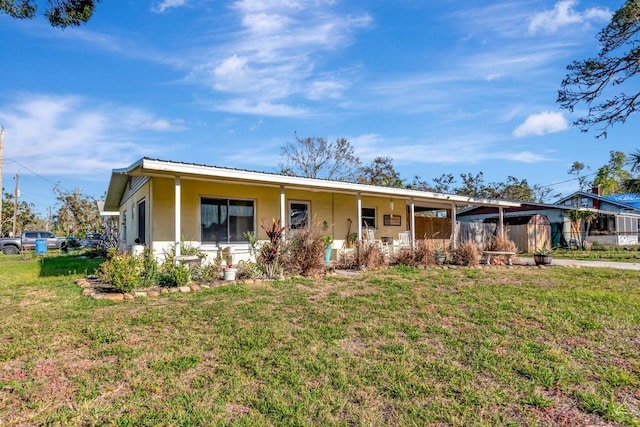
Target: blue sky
[440, 86]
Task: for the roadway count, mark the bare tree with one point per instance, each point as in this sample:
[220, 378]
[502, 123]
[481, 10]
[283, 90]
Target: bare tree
[316, 157]
[381, 172]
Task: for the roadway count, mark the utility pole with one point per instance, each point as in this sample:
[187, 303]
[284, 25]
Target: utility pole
[15, 205]
[1, 161]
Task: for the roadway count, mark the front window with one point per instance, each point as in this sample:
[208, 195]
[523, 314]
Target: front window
[226, 220]
[369, 217]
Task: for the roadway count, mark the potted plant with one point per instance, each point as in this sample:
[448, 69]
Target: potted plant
[229, 273]
[439, 253]
[543, 256]
[328, 244]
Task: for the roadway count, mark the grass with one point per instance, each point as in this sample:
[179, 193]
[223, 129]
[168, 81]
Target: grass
[619, 255]
[492, 346]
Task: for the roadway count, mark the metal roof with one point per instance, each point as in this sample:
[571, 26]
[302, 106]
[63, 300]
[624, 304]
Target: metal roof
[163, 168]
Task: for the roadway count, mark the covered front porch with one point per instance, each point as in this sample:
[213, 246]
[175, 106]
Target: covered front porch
[215, 209]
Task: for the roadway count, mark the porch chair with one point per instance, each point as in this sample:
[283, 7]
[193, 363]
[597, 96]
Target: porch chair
[370, 238]
[404, 238]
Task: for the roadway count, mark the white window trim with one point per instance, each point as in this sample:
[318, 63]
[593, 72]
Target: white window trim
[375, 216]
[213, 245]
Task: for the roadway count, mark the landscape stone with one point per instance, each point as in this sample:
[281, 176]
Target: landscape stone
[153, 294]
[184, 289]
[114, 297]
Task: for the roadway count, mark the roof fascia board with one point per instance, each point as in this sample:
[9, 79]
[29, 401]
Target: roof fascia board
[150, 165]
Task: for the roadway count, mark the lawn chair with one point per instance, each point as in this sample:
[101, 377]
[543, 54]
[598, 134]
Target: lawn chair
[404, 239]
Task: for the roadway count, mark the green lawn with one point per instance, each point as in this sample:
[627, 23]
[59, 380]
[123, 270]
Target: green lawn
[491, 346]
[619, 255]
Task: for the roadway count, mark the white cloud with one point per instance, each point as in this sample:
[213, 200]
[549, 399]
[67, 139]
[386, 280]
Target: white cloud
[265, 23]
[324, 89]
[168, 4]
[261, 108]
[564, 14]
[464, 149]
[276, 55]
[70, 135]
[541, 124]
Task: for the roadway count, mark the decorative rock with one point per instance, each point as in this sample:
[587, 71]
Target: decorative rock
[248, 281]
[129, 296]
[195, 288]
[113, 297]
[205, 286]
[87, 291]
[184, 289]
[140, 294]
[173, 290]
[164, 291]
[153, 294]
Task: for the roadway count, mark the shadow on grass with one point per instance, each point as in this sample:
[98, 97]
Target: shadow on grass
[68, 265]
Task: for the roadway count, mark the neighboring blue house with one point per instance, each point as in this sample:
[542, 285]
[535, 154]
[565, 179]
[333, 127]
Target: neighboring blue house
[615, 223]
[629, 199]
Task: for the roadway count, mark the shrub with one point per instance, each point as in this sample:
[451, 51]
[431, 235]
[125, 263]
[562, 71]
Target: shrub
[247, 270]
[181, 275]
[207, 273]
[269, 254]
[404, 256]
[466, 254]
[305, 253]
[364, 255]
[502, 244]
[149, 269]
[426, 251]
[123, 272]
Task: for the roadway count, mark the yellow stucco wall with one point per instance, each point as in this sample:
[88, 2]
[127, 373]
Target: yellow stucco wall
[129, 216]
[334, 209]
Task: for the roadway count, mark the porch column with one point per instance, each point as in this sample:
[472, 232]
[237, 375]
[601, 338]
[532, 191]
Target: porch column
[454, 238]
[359, 215]
[283, 203]
[412, 219]
[178, 219]
[501, 222]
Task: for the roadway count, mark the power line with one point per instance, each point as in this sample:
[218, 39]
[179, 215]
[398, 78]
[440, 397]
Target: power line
[38, 175]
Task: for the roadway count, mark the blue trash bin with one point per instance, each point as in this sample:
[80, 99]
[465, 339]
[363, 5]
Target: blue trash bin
[41, 246]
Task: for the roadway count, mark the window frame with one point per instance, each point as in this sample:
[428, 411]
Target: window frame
[228, 240]
[365, 217]
[307, 219]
